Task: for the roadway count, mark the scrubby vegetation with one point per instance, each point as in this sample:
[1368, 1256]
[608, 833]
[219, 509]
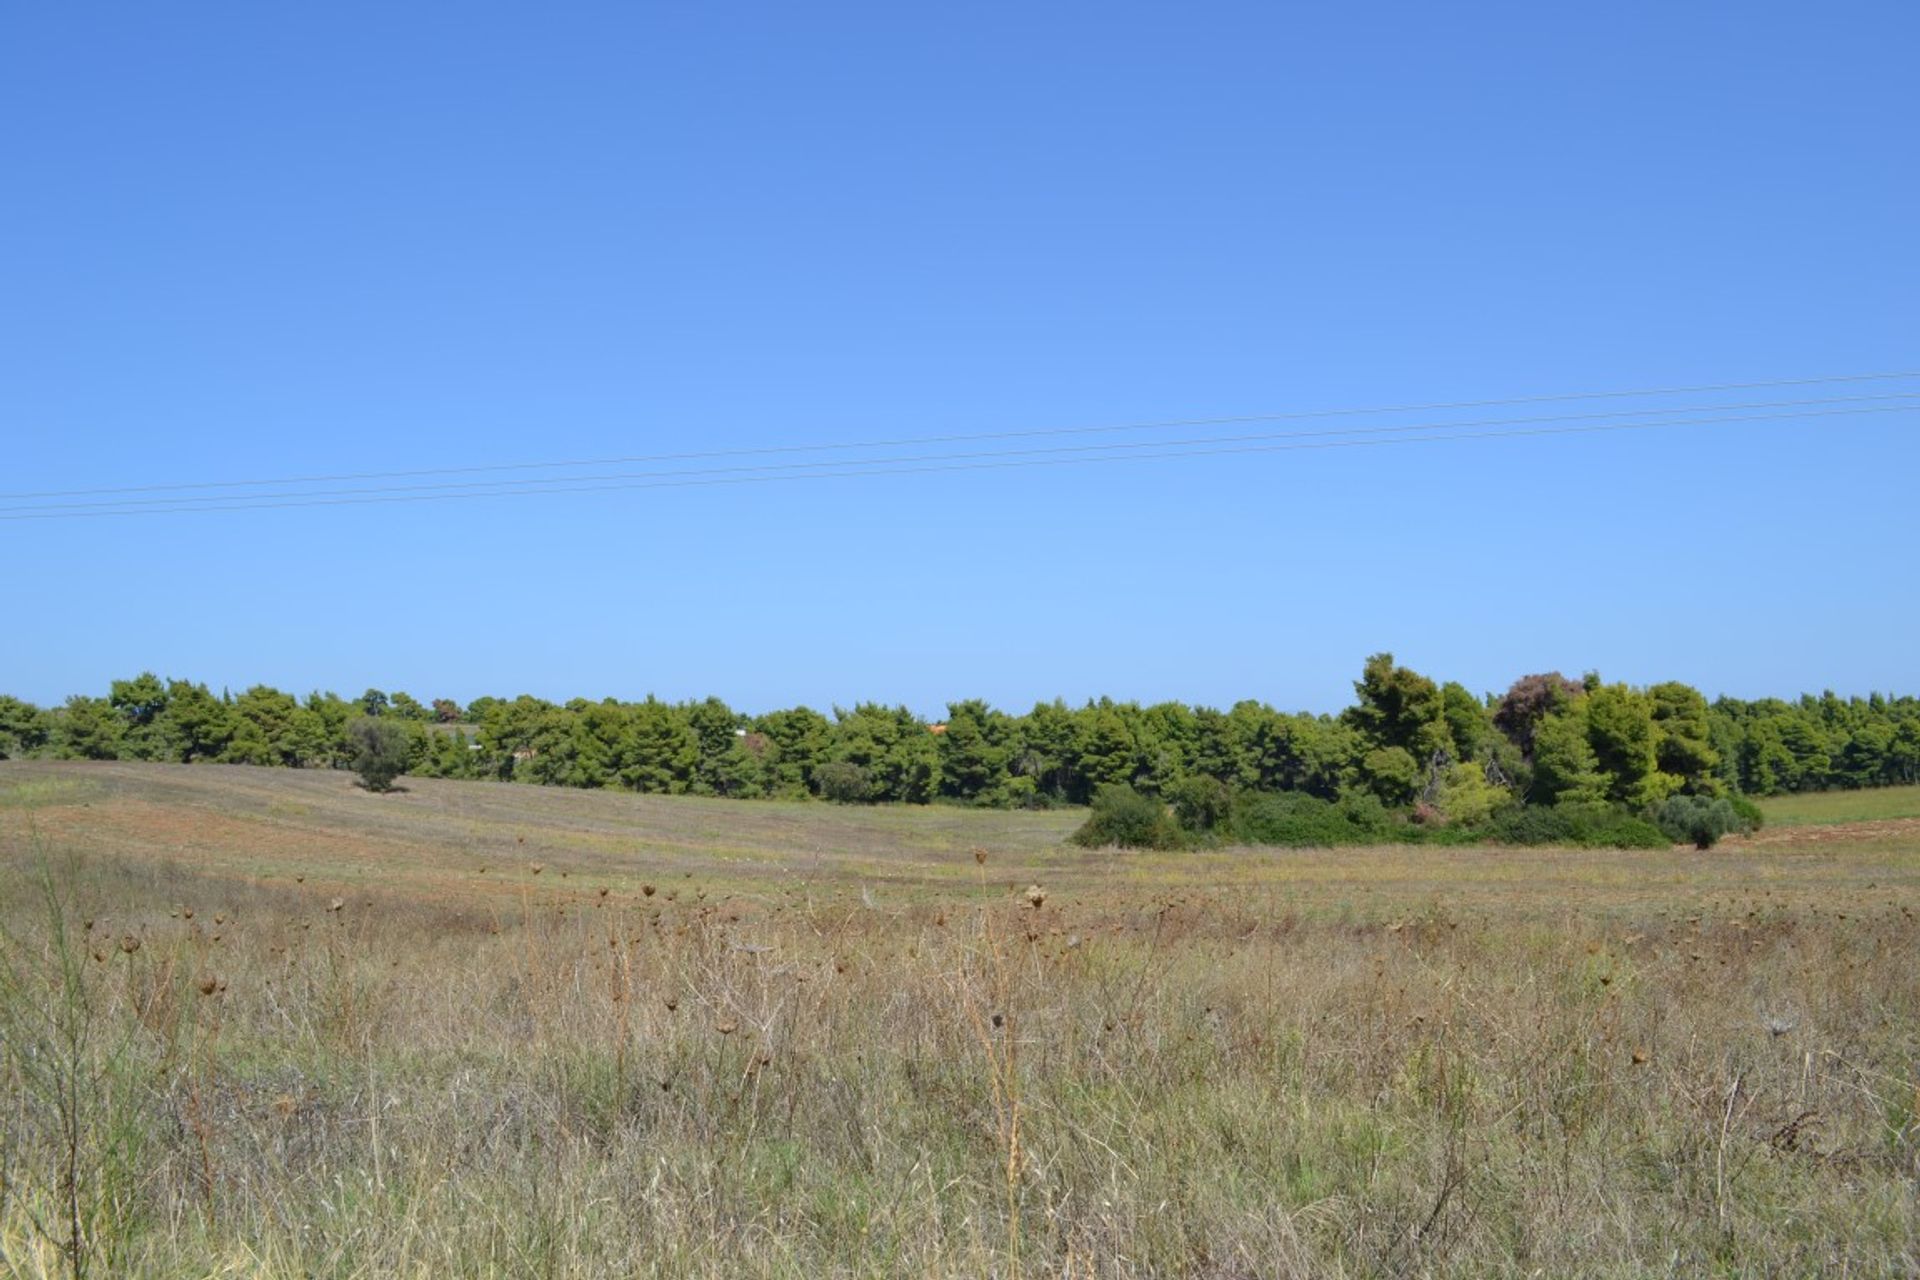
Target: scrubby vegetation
[1122, 816]
[1552, 758]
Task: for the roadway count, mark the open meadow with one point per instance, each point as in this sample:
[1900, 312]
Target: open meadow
[258, 1022]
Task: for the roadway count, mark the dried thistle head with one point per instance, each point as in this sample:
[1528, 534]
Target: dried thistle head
[646, 890]
[209, 985]
[980, 857]
[129, 943]
[726, 1026]
[1036, 896]
[337, 904]
[537, 867]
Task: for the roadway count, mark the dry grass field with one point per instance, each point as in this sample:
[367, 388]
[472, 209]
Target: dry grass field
[261, 1023]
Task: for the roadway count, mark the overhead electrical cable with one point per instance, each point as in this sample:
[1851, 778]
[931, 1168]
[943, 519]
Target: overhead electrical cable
[504, 487]
[892, 467]
[916, 441]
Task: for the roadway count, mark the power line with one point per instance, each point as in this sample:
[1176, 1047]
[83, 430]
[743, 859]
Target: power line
[1813, 408]
[916, 441]
[891, 470]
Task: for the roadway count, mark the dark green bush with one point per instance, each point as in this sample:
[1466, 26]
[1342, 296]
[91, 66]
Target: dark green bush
[843, 782]
[379, 748]
[1584, 826]
[1201, 805]
[1751, 818]
[1368, 816]
[1122, 816]
[1297, 819]
[1696, 820]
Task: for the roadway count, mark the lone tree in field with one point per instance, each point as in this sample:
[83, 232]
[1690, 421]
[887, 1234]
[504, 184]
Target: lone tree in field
[379, 751]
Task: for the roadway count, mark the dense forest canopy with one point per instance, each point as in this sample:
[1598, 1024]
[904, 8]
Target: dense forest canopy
[1408, 742]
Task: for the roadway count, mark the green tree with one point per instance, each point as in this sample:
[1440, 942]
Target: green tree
[1047, 749]
[270, 728]
[715, 729]
[1469, 721]
[1216, 754]
[407, 707]
[912, 772]
[596, 738]
[89, 729]
[24, 728]
[141, 702]
[379, 751]
[1108, 755]
[1620, 729]
[801, 740]
[974, 752]
[1530, 700]
[662, 752]
[1864, 757]
[1398, 707]
[1683, 736]
[326, 719]
[1165, 734]
[1565, 769]
[195, 724]
[1467, 798]
[1319, 756]
[1393, 774]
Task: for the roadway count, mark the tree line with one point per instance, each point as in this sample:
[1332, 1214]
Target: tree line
[1407, 741]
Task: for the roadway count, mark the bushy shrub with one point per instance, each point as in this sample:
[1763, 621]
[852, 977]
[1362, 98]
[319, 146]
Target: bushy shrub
[1696, 820]
[1297, 819]
[1364, 812]
[1751, 818]
[842, 782]
[1122, 816]
[379, 751]
[1584, 826]
[1201, 805]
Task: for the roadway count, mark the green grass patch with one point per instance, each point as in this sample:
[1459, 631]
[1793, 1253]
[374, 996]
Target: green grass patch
[1819, 808]
[29, 793]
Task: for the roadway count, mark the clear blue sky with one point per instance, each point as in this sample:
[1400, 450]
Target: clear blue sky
[247, 240]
